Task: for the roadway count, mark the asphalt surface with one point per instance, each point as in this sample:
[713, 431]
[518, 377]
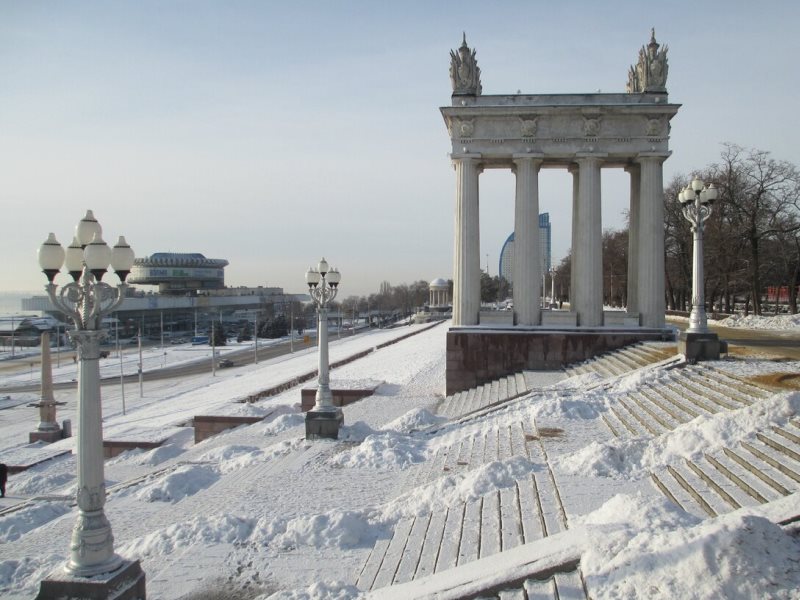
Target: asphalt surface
[771, 343]
[238, 357]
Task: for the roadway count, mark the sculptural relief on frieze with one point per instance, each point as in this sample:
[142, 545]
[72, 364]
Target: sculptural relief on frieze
[591, 126]
[465, 76]
[529, 127]
[654, 127]
[650, 73]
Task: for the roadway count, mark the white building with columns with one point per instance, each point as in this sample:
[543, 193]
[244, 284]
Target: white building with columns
[584, 134]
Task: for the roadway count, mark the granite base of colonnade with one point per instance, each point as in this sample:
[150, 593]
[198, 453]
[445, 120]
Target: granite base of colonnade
[476, 355]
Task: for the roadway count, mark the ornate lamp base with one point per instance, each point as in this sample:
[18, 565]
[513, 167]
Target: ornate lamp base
[126, 583]
[324, 424]
[701, 346]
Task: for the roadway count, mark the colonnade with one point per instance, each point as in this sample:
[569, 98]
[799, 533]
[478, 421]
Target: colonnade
[438, 296]
[646, 238]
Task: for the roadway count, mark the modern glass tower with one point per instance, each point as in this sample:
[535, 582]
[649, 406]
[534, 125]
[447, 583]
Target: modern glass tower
[505, 267]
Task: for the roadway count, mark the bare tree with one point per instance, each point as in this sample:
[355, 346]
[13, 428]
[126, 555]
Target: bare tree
[761, 197]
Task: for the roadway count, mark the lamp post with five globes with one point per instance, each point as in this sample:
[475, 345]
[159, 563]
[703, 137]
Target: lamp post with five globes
[324, 419]
[698, 342]
[86, 300]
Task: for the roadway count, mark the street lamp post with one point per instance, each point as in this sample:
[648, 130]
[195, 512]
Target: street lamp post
[324, 419]
[86, 300]
[698, 343]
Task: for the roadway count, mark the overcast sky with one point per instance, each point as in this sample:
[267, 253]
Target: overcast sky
[272, 133]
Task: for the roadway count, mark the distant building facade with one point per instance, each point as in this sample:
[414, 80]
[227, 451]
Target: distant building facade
[545, 250]
[179, 273]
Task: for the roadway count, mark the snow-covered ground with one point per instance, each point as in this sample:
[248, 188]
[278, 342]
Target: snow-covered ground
[260, 510]
[775, 322]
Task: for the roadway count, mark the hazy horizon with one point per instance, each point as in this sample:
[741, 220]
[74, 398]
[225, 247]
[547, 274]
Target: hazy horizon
[271, 134]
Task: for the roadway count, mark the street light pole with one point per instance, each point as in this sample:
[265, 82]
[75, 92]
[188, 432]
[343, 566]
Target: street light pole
[697, 199]
[86, 300]
[324, 419]
[698, 342]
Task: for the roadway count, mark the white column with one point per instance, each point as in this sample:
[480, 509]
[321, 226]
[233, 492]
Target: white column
[633, 241]
[92, 545]
[573, 286]
[323, 400]
[651, 241]
[589, 246]
[526, 240]
[466, 253]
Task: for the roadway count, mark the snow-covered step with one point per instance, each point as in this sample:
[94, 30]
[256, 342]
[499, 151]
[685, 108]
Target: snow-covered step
[730, 380]
[701, 384]
[632, 411]
[658, 396]
[502, 388]
[536, 589]
[669, 412]
[674, 493]
[735, 394]
[745, 480]
[710, 504]
[617, 364]
[665, 420]
[601, 368]
[765, 469]
[569, 586]
[788, 433]
[621, 422]
[716, 399]
[697, 403]
[734, 496]
[637, 359]
[522, 384]
[789, 474]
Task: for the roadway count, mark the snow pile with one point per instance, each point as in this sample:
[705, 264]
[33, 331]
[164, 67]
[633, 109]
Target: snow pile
[617, 459]
[232, 457]
[357, 432]
[323, 590]
[633, 458]
[414, 420]
[247, 409]
[647, 547]
[335, 529]
[34, 482]
[16, 574]
[567, 408]
[184, 481]
[214, 529]
[460, 487]
[150, 458]
[16, 524]
[383, 450]
[778, 322]
[282, 423]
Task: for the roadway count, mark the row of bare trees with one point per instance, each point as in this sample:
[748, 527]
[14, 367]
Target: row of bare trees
[402, 299]
[752, 239]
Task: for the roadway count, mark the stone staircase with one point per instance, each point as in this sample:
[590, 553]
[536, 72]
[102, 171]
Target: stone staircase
[486, 395]
[624, 360]
[466, 531]
[759, 470]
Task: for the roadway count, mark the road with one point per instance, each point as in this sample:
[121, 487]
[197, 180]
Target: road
[239, 357]
[771, 343]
